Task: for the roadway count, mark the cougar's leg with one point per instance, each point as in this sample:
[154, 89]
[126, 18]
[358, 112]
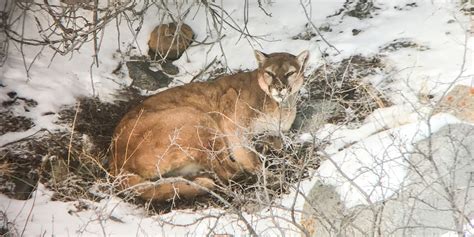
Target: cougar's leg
[231, 125]
[240, 152]
[164, 191]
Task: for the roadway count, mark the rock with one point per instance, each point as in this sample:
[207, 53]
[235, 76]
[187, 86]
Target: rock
[459, 102]
[421, 207]
[12, 94]
[360, 9]
[24, 187]
[6, 227]
[355, 31]
[325, 28]
[169, 68]
[17, 180]
[59, 170]
[146, 79]
[166, 42]
[316, 113]
[324, 204]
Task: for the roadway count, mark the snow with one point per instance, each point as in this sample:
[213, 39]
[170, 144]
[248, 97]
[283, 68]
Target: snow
[364, 173]
[469, 231]
[372, 157]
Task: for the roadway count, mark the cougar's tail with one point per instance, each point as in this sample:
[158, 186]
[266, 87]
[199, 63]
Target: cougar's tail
[165, 189]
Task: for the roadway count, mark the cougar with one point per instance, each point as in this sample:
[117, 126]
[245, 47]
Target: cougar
[201, 132]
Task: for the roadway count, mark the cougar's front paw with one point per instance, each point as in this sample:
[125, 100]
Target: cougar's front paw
[268, 144]
[246, 177]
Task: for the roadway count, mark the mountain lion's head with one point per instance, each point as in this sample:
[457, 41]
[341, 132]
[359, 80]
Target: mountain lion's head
[281, 74]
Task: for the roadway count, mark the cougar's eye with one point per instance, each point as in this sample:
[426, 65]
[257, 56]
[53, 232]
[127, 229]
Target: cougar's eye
[289, 74]
[270, 74]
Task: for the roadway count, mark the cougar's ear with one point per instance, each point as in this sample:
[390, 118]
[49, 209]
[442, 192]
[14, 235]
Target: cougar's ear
[261, 57]
[303, 58]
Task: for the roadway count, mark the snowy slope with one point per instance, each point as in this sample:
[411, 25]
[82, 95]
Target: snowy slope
[437, 25]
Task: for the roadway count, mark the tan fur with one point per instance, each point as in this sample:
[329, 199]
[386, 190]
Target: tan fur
[169, 42]
[202, 130]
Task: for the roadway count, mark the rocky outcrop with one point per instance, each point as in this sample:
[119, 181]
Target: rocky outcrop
[169, 41]
[436, 199]
[459, 102]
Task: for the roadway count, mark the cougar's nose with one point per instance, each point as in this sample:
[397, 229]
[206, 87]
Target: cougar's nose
[279, 83]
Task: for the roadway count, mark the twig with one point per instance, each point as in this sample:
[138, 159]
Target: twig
[316, 28]
[29, 212]
[95, 20]
[24, 138]
[71, 138]
[204, 70]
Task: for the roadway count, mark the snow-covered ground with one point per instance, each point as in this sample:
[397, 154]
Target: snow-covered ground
[382, 144]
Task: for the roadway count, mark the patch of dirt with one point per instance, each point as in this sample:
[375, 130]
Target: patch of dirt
[398, 44]
[60, 161]
[360, 9]
[98, 119]
[11, 123]
[21, 164]
[18, 101]
[83, 170]
[68, 164]
[309, 32]
[336, 93]
[406, 7]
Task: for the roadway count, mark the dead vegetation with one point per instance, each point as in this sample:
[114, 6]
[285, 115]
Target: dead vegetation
[74, 165]
[9, 121]
[337, 93]
[20, 167]
[402, 43]
[49, 158]
[7, 228]
[97, 119]
[68, 163]
[360, 9]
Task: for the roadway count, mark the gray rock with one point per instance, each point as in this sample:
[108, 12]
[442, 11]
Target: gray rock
[438, 196]
[169, 68]
[7, 228]
[146, 79]
[315, 113]
[459, 102]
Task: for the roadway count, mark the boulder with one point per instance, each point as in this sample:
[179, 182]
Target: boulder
[460, 102]
[435, 200]
[146, 79]
[169, 41]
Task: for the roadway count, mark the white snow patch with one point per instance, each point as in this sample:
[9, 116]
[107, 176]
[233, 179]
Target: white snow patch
[373, 157]
[374, 168]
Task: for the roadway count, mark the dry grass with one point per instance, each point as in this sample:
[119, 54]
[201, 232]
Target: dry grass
[337, 93]
[6, 169]
[74, 164]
